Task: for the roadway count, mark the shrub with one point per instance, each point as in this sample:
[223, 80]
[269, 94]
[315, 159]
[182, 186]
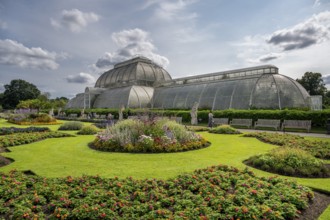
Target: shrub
[31, 118]
[291, 162]
[147, 136]
[71, 125]
[88, 129]
[224, 129]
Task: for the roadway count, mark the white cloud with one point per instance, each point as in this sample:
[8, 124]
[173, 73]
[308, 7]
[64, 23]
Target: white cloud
[131, 43]
[315, 30]
[75, 20]
[16, 54]
[82, 78]
[173, 10]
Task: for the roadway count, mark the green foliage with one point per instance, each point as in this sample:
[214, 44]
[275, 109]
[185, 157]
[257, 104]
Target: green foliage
[17, 91]
[290, 161]
[224, 129]
[313, 83]
[318, 118]
[12, 130]
[148, 136]
[71, 126]
[217, 192]
[88, 129]
[26, 138]
[319, 149]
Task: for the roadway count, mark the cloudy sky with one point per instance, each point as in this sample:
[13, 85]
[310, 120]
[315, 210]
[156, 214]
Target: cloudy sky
[62, 46]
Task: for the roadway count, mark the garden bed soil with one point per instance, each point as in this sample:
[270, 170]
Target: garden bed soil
[315, 209]
[4, 161]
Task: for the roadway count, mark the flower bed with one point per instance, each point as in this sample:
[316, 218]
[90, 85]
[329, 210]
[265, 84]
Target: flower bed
[319, 149]
[291, 162]
[32, 119]
[148, 136]
[26, 138]
[12, 130]
[218, 192]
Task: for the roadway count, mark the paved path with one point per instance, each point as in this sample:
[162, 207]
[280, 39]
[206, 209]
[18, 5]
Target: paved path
[296, 133]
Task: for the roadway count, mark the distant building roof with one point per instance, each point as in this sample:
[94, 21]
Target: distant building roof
[137, 71]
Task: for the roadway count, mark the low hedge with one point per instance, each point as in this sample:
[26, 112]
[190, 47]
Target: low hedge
[319, 118]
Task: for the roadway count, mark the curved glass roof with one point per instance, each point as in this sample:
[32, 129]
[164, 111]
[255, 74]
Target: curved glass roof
[139, 83]
[129, 97]
[257, 87]
[138, 71]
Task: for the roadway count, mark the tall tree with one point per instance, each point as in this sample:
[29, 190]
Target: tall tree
[313, 83]
[18, 90]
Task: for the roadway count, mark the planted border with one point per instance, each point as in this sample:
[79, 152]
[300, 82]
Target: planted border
[26, 138]
[217, 192]
[319, 149]
[12, 130]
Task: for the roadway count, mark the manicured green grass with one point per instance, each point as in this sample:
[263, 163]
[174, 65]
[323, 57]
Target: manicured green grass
[71, 156]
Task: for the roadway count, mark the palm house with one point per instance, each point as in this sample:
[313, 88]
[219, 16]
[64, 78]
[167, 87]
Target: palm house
[140, 83]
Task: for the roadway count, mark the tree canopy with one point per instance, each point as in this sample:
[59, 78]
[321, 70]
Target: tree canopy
[18, 90]
[313, 83]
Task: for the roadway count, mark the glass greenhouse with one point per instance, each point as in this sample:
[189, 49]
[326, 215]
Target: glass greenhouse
[140, 83]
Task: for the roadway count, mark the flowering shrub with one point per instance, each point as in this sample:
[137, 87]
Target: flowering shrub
[147, 136]
[88, 129]
[26, 138]
[12, 130]
[291, 162]
[217, 192]
[34, 118]
[319, 149]
[224, 129]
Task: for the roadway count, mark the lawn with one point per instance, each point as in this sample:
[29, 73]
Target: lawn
[72, 156]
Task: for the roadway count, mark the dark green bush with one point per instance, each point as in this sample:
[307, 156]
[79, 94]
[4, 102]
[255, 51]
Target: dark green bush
[71, 125]
[319, 118]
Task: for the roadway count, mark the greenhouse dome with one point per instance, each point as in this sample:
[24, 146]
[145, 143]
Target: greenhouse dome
[140, 83]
